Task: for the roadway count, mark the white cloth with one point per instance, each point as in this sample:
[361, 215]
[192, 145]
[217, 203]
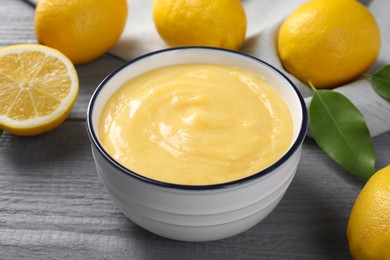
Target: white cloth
[264, 18]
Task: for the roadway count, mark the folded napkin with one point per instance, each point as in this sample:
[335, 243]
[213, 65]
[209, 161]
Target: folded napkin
[264, 18]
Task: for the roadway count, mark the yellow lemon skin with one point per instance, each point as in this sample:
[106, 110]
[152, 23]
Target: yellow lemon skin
[38, 129]
[82, 30]
[369, 223]
[217, 23]
[38, 88]
[330, 42]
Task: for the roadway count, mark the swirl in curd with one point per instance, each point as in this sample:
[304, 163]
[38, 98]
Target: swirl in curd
[196, 124]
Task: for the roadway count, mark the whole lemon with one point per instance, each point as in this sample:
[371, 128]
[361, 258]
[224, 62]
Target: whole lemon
[330, 42]
[369, 224]
[82, 30]
[217, 23]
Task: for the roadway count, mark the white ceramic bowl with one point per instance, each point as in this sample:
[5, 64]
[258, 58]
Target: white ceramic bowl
[197, 213]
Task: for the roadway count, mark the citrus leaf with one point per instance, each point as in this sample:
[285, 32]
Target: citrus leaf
[1, 132]
[340, 130]
[381, 82]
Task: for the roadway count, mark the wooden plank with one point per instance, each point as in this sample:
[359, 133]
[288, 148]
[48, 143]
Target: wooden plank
[90, 76]
[16, 23]
[53, 205]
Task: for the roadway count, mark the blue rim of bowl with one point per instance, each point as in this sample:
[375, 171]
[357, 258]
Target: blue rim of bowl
[271, 168]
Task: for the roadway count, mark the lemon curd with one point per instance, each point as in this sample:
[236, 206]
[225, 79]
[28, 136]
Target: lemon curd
[196, 124]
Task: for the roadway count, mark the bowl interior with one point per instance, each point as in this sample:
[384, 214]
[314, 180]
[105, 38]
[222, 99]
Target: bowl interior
[199, 55]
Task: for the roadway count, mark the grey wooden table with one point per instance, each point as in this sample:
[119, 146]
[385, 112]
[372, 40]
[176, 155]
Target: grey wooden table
[53, 205]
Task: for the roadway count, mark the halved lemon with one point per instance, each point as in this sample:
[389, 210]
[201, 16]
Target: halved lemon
[38, 88]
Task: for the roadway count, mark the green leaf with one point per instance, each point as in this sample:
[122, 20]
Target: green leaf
[1, 132]
[340, 130]
[381, 82]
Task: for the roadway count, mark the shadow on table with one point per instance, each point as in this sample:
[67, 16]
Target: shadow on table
[65, 146]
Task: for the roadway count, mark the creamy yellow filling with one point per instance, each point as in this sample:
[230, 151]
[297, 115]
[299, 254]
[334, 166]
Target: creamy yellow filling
[196, 124]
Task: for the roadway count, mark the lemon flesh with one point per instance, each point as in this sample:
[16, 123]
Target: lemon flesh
[38, 88]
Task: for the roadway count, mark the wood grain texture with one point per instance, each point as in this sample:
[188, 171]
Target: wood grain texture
[53, 205]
